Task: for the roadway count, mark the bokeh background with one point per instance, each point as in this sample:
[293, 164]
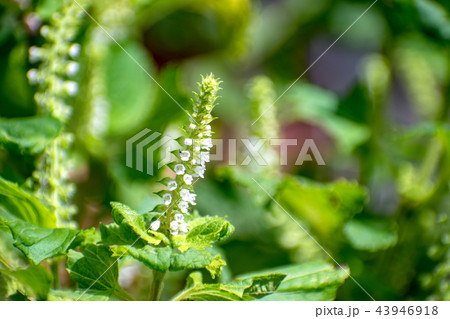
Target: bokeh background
[376, 104]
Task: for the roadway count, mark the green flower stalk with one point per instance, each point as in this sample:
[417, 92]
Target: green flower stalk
[261, 95]
[266, 127]
[54, 89]
[193, 156]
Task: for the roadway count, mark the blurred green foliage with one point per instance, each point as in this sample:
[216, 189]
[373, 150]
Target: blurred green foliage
[376, 105]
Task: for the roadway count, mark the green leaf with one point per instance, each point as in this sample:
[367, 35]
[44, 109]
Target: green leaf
[324, 207]
[64, 295]
[247, 288]
[35, 281]
[24, 205]
[95, 269]
[263, 285]
[132, 226]
[371, 235]
[316, 280]
[29, 135]
[38, 243]
[129, 91]
[163, 259]
[435, 16]
[203, 232]
[327, 294]
[157, 258]
[111, 234]
[196, 259]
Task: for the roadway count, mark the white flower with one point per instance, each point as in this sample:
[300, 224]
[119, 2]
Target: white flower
[197, 149]
[155, 225]
[204, 157]
[185, 155]
[199, 171]
[188, 179]
[172, 185]
[167, 198]
[184, 228]
[183, 206]
[174, 226]
[192, 198]
[71, 87]
[32, 76]
[35, 54]
[179, 217]
[72, 68]
[45, 31]
[188, 141]
[74, 50]
[180, 169]
[185, 195]
[192, 126]
[207, 143]
[208, 127]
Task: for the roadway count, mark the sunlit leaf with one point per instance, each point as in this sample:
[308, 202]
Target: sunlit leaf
[203, 232]
[24, 205]
[95, 269]
[371, 235]
[38, 243]
[29, 135]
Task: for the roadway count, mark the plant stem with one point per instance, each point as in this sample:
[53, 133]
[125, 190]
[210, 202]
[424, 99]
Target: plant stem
[54, 267]
[155, 291]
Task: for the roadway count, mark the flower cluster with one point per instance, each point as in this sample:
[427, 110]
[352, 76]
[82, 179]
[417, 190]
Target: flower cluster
[193, 156]
[55, 86]
[56, 63]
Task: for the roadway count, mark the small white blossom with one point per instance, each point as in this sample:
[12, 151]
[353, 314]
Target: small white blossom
[180, 169]
[185, 155]
[192, 198]
[32, 76]
[74, 50]
[184, 227]
[155, 225]
[204, 157]
[172, 185]
[188, 141]
[192, 126]
[208, 127]
[197, 149]
[179, 217]
[188, 179]
[185, 195]
[183, 206]
[35, 54]
[207, 143]
[167, 198]
[174, 225]
[71, 87]
[72, 68]
[199, 171]
[45, 31]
